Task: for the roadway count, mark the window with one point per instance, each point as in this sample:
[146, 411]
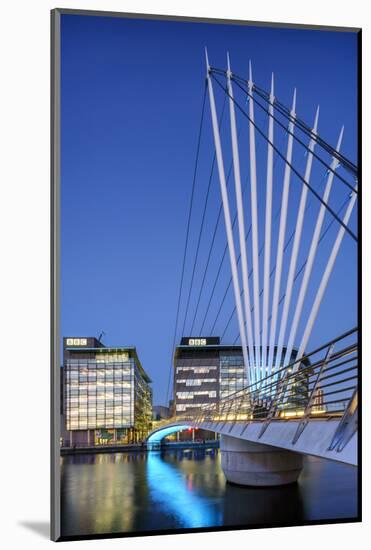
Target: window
[196, 370]
[184, 395]
[193, 382]
[211, 393]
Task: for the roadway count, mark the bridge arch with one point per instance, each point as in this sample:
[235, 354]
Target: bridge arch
[157, 435]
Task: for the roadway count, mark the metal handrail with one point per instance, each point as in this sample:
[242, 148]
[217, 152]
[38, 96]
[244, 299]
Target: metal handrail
[278, 396]
[294, 394]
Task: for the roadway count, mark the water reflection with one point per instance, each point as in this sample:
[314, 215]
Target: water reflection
[130, 492]
[178, 493]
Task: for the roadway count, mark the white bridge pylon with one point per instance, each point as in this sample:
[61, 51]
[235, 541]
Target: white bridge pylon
[268, 335]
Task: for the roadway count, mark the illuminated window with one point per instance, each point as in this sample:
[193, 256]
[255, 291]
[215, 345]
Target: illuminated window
[193, 382]
[184, 395]
[105, 397]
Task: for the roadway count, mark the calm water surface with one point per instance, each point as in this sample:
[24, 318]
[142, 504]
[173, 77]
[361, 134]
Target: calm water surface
[126, 492]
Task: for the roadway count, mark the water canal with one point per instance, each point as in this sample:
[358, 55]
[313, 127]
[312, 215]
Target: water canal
[177, 489]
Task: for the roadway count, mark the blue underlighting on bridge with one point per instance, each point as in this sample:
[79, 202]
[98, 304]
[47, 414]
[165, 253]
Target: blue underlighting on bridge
[163, 432]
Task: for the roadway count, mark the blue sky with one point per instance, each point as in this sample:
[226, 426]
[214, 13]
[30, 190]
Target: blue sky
[131, 102]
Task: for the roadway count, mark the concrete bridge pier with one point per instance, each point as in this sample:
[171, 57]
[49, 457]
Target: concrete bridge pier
[255, 464]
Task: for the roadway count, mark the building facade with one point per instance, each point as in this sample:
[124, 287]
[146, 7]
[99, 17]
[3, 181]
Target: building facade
[206, 372]
[160, 412]
[107, 398]
[196, 373]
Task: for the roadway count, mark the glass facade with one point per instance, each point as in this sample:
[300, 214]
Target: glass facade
[232, 374]
[106, 391]
[142, 403]
[99, 393]
[205, 374]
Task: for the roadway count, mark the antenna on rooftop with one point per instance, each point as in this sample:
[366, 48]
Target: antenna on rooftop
[101, 336]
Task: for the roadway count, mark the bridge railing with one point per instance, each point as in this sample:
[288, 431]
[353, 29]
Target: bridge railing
[322, 383]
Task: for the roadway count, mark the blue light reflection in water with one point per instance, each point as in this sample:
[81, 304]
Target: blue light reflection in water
[186, 488]
[169, 488]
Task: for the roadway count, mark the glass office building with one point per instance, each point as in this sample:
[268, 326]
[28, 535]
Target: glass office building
[206, 371]
[232, 377]
[106, 394]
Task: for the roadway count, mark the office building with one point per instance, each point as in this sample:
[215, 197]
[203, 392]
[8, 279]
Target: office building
[160, 412]
[206, 371]
[107, 397]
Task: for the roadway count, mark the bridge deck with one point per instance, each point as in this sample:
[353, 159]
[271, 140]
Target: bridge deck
[314, 440]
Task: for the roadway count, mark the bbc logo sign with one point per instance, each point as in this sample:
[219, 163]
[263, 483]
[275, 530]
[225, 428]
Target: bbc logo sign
[76, 342]
[197, 342]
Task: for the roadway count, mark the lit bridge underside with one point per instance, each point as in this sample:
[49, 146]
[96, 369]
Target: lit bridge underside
[271, 412]
[157, 435]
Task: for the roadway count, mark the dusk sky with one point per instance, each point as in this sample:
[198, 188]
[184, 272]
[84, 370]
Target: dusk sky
[132, 94]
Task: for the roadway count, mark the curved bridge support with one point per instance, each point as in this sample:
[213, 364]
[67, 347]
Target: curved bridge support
[157, 435]
[256, 464]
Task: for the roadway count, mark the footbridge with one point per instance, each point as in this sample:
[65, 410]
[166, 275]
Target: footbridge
[268, 426]
[294, 200]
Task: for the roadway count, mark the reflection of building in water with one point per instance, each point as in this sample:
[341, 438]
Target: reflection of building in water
[99, 493]
[106, 394]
